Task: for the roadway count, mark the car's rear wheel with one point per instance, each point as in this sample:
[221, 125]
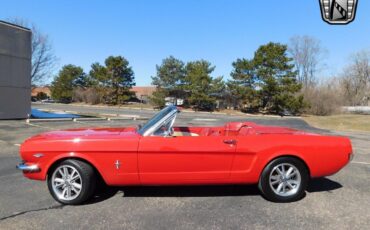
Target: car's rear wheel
[284, 180]
[72, 182]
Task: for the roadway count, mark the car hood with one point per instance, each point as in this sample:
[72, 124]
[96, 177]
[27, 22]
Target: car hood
[85, 132]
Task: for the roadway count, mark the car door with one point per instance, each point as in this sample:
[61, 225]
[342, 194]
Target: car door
[185, 159]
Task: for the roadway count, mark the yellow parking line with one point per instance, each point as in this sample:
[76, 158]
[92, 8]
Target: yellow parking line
[6, 142]
[45, 127]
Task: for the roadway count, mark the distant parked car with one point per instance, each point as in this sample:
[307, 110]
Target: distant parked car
[48, 101]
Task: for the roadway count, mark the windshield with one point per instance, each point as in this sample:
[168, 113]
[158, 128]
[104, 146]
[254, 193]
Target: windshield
[157, 118]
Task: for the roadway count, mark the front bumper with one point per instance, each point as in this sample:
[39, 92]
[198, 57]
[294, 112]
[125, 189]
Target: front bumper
[28, 167]
[351, 156]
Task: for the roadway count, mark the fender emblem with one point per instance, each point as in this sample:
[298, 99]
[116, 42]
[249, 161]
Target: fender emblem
[38, 155]
[117, 164]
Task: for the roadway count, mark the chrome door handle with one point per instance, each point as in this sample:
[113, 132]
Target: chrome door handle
[230, 142]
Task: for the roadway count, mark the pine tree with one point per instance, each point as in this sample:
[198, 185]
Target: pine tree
[168, 80]
[267, 82]
[68, 78]
[242, 87]
[198, 84]
[276, 79]
[114, 80]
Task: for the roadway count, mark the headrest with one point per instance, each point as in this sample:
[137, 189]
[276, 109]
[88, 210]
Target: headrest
[236, 126]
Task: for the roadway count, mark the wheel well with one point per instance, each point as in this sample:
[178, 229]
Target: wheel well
[73, 158]
[296, 157]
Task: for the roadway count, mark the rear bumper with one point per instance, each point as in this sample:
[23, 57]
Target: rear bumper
[28, 167]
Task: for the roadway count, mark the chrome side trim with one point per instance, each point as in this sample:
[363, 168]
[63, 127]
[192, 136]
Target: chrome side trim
[28, 168]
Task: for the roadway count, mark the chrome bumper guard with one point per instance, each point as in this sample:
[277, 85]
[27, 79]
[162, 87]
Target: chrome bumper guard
[28, 168]
[351, 156]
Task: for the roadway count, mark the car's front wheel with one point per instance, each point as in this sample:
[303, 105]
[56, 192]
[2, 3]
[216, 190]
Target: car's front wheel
[71, 182]
[284, 180]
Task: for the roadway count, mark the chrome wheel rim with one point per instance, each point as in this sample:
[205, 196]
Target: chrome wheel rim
[66, 182]
[285, 179]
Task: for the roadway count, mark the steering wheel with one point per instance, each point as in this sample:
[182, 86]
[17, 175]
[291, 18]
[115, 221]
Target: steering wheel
[170, 127]
[169, 131]
[166, 130]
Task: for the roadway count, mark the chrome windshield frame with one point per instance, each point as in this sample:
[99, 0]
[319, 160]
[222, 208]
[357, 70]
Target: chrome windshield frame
[170, 116]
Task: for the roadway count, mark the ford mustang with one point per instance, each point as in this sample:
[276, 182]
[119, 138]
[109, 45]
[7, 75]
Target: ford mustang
[279, 160]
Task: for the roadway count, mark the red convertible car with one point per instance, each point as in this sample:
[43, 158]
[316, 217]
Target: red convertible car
[280, 160]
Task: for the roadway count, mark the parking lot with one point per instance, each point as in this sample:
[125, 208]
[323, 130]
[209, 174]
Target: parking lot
[341, 201]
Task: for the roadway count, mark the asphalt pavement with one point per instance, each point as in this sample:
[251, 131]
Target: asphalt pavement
[341, 201]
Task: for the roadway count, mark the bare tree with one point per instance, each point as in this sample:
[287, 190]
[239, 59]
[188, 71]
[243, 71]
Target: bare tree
[307, 54]
[356, 79]
[43, 58]
[325, 97]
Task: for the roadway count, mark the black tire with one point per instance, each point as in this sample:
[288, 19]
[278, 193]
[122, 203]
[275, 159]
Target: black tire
[299, 191]
[88, 181]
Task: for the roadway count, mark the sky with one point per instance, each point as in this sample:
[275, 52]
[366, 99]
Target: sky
[220, 31]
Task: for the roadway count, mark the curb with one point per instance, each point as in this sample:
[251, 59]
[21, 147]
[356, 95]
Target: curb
[96, 106]
[148, 109]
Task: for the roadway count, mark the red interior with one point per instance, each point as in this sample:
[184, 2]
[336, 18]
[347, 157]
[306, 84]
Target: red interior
[229, 129]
